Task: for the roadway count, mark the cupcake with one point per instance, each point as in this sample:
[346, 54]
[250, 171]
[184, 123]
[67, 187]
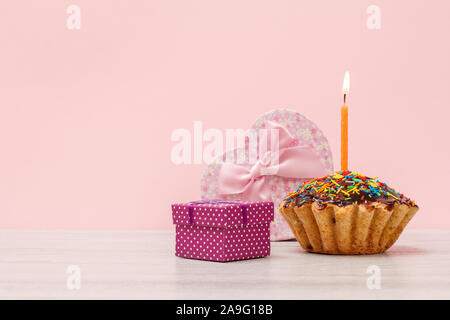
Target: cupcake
[347, 213]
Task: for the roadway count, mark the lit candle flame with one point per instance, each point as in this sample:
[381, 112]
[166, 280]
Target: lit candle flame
[346, 85]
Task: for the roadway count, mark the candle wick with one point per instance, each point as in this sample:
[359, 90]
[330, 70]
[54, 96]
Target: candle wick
[345, 98]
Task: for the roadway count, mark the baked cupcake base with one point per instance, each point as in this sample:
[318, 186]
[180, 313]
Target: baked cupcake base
[350, 229]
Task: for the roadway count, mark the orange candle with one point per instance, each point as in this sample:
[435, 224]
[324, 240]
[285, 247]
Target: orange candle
[344, 124]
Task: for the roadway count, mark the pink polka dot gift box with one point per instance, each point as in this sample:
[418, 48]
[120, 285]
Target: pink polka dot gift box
[220, 230]
[287, 149]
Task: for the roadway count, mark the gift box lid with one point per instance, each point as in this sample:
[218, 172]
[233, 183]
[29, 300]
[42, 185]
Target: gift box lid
[222, 213]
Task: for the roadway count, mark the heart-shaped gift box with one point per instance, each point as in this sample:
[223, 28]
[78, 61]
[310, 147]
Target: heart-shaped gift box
[288, 150]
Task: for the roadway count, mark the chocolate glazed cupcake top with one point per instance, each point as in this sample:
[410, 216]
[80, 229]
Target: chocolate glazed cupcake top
[344, 188]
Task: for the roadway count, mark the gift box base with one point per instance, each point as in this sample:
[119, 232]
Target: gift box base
[222, 245]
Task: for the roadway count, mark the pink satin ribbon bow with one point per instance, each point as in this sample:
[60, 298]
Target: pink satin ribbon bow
[287, 162]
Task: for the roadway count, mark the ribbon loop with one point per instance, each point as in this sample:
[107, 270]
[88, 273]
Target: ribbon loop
[286, 161]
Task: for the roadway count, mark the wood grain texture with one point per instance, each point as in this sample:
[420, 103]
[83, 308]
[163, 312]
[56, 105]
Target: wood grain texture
[142, 265]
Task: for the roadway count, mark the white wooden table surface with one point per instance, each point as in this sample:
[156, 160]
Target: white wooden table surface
[142, 265]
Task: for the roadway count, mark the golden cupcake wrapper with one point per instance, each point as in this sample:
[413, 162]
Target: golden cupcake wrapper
[352, 229]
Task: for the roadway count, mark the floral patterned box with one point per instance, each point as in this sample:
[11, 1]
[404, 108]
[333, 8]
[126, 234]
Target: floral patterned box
[295, 132]
[219, 230]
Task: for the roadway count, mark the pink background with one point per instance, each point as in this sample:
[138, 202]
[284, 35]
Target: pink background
[86, 115]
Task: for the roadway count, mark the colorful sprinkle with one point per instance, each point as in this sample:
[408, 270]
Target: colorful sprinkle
[346, 187]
